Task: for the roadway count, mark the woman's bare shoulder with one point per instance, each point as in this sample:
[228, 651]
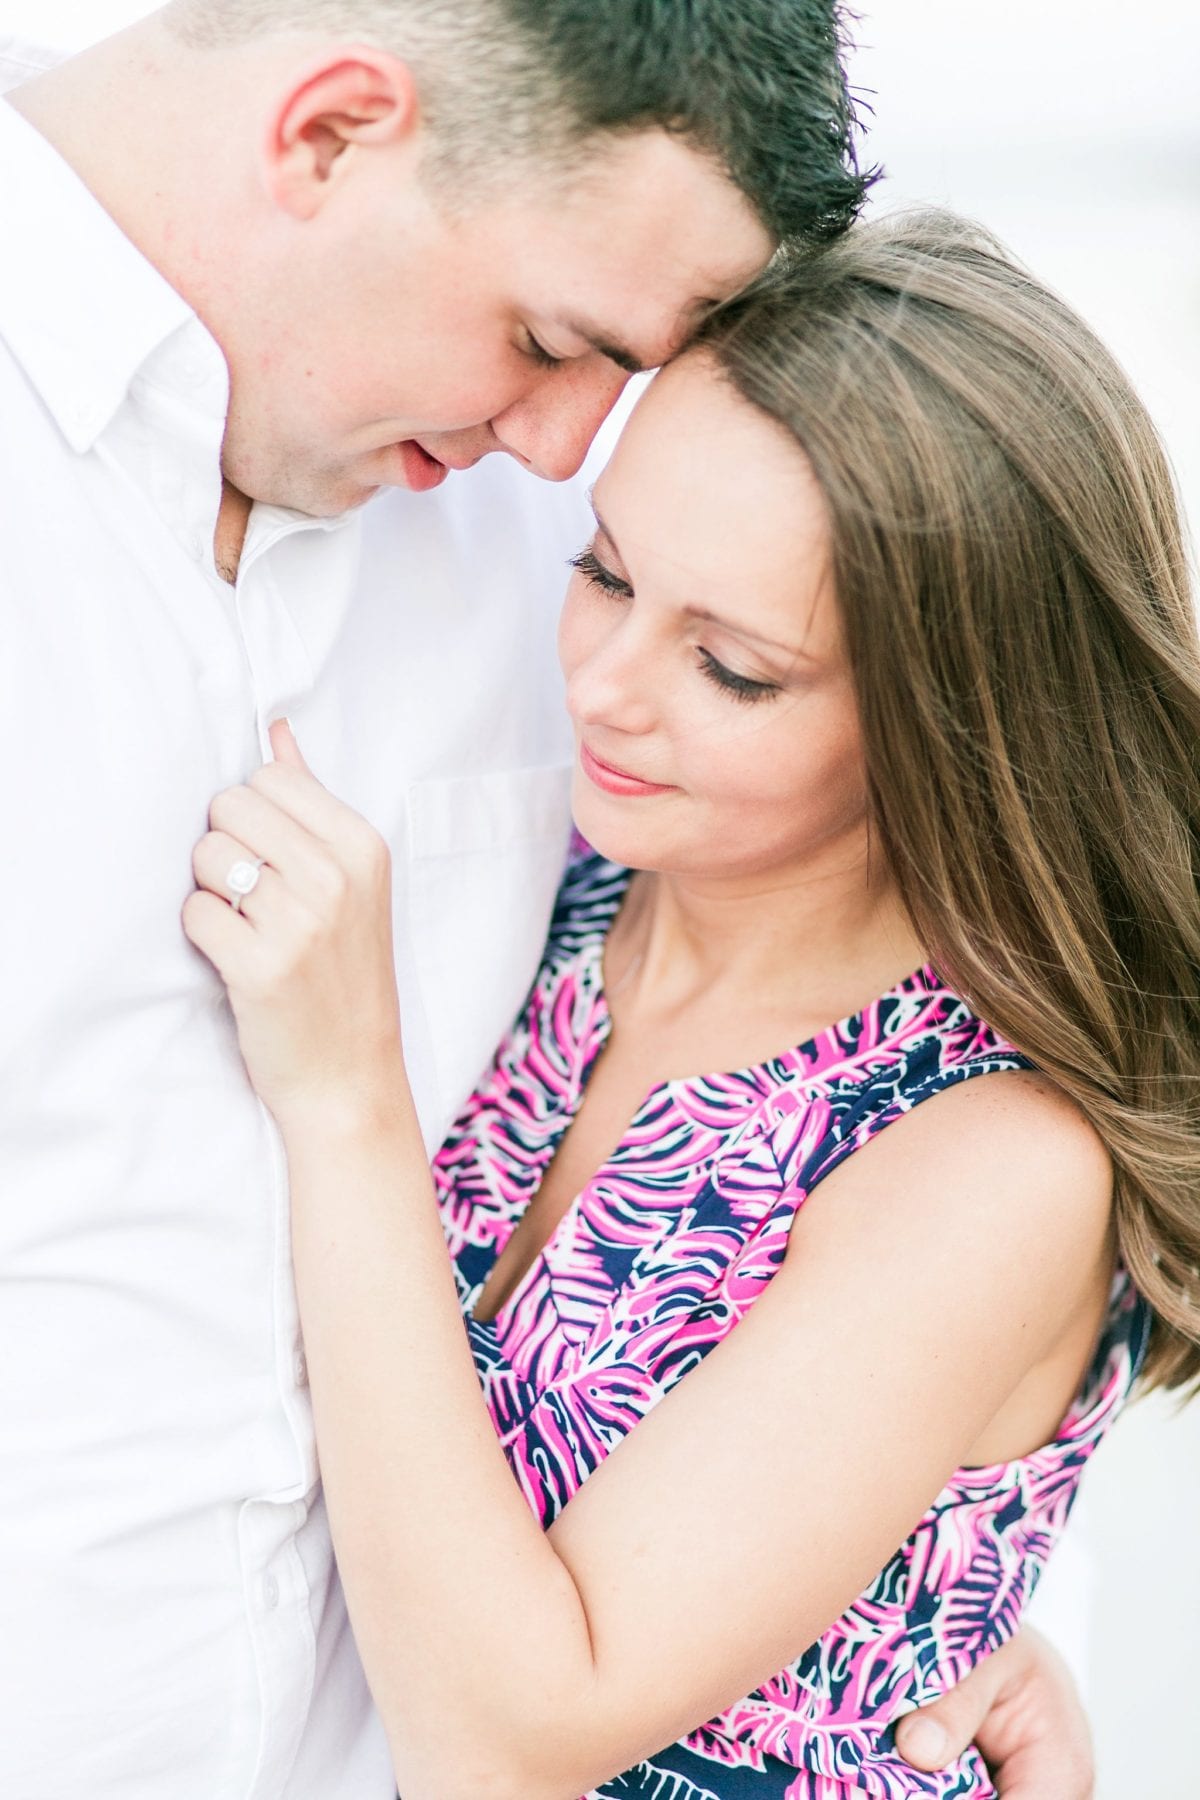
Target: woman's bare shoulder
[1004, 1166]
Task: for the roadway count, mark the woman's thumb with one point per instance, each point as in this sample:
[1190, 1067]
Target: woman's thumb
[284, 746]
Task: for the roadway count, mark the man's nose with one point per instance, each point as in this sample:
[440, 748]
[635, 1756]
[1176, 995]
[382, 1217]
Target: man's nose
[551, 428]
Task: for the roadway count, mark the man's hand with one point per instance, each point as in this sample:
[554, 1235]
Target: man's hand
[1021, 1708]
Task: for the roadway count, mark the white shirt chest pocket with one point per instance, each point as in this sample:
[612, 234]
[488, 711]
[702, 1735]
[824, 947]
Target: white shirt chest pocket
[486, 855]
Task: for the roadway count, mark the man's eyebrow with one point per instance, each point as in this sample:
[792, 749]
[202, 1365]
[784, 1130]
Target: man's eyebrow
[712, 618]
[627, 359]
[609, 347]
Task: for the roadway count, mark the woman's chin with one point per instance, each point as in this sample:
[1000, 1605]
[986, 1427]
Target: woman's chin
[627, 847]
[629, 829]
[606, 844]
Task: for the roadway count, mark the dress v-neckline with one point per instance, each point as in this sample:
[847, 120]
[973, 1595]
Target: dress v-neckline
[770, 1074]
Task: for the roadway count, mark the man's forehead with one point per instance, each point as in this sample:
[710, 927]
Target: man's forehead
[668, 214]
[641, 249]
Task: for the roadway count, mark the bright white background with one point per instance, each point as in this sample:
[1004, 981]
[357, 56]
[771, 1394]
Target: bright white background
[1072, 128]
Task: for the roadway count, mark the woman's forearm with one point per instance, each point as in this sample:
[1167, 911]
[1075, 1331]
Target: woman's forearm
[472, 1632]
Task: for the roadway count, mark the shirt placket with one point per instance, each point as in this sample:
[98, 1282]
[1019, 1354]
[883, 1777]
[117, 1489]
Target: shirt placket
[282, 1635]
[276, 1587]
[277, 669]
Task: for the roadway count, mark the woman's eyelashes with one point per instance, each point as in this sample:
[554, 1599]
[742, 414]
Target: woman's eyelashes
[740, 687]
[590, 566]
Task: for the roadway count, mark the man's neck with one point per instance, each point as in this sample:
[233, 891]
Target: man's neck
[230, 536]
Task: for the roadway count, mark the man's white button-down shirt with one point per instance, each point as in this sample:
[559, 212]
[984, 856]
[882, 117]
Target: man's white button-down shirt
[171, 1627]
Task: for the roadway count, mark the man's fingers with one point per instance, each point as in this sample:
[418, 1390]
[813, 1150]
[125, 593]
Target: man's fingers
[1047, 1770]
[923, 1742]
[1036, 1739]
[933, 1737]
[1021, 1710]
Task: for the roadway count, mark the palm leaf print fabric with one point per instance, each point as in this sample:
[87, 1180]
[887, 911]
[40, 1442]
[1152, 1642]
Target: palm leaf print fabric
[657, 1260]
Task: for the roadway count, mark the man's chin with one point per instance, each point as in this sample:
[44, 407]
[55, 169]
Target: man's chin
[315, 499]
[335, 506]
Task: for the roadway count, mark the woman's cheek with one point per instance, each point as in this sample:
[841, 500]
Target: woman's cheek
[573, 634]
[800, 781]
[835, 777]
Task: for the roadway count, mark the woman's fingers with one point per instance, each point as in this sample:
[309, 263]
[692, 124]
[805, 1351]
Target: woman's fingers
[307, 958]
[231, 871]
[291, 821]
[306, 845]
[286, 816]
[215, 930]
[285, 748]
[254, 819]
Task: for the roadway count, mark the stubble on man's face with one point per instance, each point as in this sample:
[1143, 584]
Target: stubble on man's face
[263, 468]
[439, 336]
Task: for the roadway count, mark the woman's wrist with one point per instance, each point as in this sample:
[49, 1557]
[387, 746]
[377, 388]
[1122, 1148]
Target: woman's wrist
[346, 1112]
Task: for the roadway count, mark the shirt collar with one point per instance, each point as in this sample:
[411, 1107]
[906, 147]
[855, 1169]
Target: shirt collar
[59, 244]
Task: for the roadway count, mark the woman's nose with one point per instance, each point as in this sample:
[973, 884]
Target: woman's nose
[617, 682]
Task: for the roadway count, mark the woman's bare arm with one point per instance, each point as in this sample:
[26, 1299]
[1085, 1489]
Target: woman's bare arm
[741, 1516]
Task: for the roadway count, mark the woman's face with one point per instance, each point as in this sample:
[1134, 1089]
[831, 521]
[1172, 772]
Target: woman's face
[714, 713]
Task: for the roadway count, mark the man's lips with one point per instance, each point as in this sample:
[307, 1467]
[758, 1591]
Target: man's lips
[421, 471]
[616, 781]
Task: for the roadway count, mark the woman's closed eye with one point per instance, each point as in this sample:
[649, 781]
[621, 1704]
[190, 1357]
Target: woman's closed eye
[594, 571]
[741, 687]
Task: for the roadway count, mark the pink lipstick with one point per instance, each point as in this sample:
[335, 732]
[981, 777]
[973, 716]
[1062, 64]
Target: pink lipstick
[616, 781]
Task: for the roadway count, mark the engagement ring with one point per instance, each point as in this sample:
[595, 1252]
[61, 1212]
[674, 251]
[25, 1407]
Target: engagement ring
[241, 880]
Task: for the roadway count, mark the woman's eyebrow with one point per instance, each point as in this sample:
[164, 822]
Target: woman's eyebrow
[702, 612]
[744, 631]
[604, 530]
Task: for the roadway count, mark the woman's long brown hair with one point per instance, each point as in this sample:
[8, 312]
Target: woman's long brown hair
[1009, 561]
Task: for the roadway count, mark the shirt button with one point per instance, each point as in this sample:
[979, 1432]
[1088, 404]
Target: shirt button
[270, 1590]
[301, 1370]
[196, 369]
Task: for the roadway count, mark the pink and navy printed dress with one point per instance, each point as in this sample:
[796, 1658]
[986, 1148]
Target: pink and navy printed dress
[657, 1260]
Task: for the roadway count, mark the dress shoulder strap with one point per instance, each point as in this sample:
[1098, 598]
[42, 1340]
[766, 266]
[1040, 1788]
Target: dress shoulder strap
[913, 1079]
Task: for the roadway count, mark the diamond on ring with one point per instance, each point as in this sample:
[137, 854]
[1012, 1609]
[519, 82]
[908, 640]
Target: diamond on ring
[242, 880]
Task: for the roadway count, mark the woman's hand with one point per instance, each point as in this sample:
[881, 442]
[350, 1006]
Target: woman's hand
[308, 958]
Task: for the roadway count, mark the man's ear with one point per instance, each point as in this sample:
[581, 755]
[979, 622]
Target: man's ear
[355, 97]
